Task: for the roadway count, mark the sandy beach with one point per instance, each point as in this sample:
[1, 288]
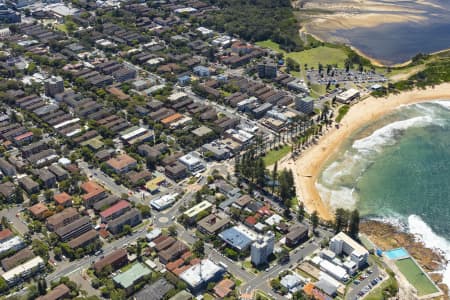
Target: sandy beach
[309, 165]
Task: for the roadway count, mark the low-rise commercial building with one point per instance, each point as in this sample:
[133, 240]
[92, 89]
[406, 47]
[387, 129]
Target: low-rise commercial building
[213, 223]
[192, 213]
[348, 96]
[198, 276]
[193, 162]
[238, 237]
[164, 202]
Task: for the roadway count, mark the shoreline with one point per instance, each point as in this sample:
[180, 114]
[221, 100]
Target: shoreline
[373, 61]
[308, 167]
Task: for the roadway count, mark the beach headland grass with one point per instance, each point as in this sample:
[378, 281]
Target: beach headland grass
[275, 155]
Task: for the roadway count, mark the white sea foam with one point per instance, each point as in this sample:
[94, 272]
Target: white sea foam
[444, 103]
[421, 229]
[386, 135]
[342, 197]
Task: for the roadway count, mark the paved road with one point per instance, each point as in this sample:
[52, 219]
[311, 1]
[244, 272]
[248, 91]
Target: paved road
[11, 215]
[262, 281]
[85, 262]
[233, 267]
[98, 175]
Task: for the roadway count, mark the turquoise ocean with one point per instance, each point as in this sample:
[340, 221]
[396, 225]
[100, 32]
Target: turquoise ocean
[397, 169]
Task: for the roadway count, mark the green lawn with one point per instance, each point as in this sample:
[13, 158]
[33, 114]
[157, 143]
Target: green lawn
[270, 45]
[272, 156]
[416, 276]
[208, 297]
[324, 55]
[262, 295]
[343, 110]
[62, 27]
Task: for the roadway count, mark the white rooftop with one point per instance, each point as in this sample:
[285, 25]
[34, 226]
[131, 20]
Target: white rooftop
[20, 269]
[358, 249]
[200, 273]
[10, 244]
[273, 220]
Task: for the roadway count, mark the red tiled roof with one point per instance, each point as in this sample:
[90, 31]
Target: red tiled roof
[223, 288]
[115, 208]
[186, 255]
[38, 209]
[6, 233]
[172, 118]
[62, 198]
[121, 161]
[175, 264]
[195, 261]
[103, 233]
[91, 189]
[23, 136]
[265, 210]
[251, 220]
[178, 271]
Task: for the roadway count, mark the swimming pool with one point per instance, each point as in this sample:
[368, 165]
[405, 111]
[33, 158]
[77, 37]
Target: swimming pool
[397, 253]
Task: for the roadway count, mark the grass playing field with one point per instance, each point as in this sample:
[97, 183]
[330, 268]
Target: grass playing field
[312, 57]
[416, 276]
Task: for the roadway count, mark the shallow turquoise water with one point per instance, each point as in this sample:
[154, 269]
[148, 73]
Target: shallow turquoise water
[397, 168]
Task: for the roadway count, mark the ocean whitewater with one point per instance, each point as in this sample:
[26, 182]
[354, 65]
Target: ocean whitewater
[397, 170]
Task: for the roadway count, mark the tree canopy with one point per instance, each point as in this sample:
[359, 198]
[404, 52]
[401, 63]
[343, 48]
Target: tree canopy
[258, 20]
